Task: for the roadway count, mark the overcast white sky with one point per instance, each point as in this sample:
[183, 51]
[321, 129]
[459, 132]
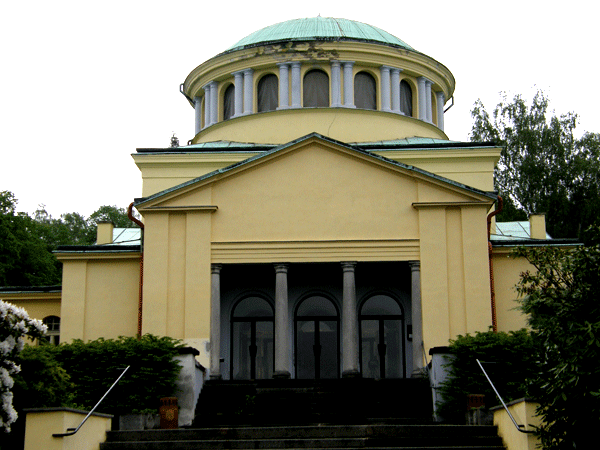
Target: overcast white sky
[84, 83]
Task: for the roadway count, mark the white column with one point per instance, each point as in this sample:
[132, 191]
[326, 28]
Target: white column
[348, 84]
[395, 82]
[197, 115]
[417, 317]
[428, 85]
[214, 102]
[422, 98]
[215, 321]
[350, 366]
[282, 341]
[440, 100]
[239, 93]
[248, 91]
[206, 105]
[336, 84]
[385, 89]
[284, 86]
[296, 89]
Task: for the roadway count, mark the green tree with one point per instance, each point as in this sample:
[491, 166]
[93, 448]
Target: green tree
[542, 167]
[561, 301]
[25, 258]
[68, 229]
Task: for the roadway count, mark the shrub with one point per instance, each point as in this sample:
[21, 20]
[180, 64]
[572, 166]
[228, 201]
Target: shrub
[42, 382]
[510, 367]
[94, 366]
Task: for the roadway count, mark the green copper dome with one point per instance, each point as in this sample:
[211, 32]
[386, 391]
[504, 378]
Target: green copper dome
[319, 28]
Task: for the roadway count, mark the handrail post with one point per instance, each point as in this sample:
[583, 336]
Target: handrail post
[519, 427]
[72, 432]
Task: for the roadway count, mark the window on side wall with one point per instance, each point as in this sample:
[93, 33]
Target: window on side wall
[53, 333]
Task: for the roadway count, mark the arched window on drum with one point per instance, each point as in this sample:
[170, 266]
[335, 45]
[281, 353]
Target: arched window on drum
[316, 89]
[365, 91]
[268, 93]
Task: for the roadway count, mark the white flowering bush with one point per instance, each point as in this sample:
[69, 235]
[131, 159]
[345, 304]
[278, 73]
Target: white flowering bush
[15, 325]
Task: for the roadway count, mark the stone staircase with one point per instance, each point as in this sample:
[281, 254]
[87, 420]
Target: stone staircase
[309, 414]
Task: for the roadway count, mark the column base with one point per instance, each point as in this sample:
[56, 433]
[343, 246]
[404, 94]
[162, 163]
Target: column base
[418, 373]
[281, 375]
[353, 373]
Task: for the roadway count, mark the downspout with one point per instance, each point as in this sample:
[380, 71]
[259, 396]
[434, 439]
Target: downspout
[140, 300]
[500, 204]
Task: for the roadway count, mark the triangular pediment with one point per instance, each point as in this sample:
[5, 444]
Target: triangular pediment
[339, 157]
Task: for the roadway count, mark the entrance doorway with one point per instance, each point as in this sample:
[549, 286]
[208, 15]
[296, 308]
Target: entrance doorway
[382, 338]
[252, 353]
[317, 339]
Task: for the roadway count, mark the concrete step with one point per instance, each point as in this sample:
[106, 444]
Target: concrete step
[308, 437]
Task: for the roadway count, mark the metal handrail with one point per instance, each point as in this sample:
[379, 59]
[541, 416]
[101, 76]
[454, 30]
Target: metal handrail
[519, 427]
[72, 431]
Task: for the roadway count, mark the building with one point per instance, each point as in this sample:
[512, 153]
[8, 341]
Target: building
[320, 224]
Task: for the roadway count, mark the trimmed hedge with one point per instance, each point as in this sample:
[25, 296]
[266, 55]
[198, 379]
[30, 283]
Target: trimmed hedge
[510, 358]
[92, 367]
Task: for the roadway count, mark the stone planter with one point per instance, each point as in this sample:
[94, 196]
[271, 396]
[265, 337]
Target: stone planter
[139, 421]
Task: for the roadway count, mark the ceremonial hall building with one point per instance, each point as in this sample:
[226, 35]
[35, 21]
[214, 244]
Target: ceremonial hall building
[320, 223]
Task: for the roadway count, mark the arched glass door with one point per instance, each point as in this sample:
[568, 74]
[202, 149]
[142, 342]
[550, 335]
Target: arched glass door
[252, 340]
[317, 339]
[382, 338]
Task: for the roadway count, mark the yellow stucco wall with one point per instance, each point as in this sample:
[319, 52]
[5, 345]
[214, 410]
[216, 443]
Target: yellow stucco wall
[507, 272]
[100, 295]
[347, 124]
[38, 305]
[523, 411]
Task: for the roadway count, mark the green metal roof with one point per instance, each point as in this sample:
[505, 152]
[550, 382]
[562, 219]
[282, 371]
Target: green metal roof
[319, 28]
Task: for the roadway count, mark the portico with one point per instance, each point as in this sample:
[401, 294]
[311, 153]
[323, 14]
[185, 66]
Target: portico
[316, 320]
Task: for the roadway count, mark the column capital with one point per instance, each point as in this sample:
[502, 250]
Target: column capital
[216, 268]
[348, 266]
[347, 63]
[248, 71]
[285, 64]
[281, 267]
[335, 63]
[415, 266]
[296, 64]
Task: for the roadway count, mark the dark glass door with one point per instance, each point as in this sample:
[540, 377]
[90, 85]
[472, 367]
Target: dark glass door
[382, 338]
[252, 350]
[317, 339]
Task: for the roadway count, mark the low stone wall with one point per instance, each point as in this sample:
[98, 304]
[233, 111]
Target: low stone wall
[42, 423]
[523, 410]
[189, 384]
